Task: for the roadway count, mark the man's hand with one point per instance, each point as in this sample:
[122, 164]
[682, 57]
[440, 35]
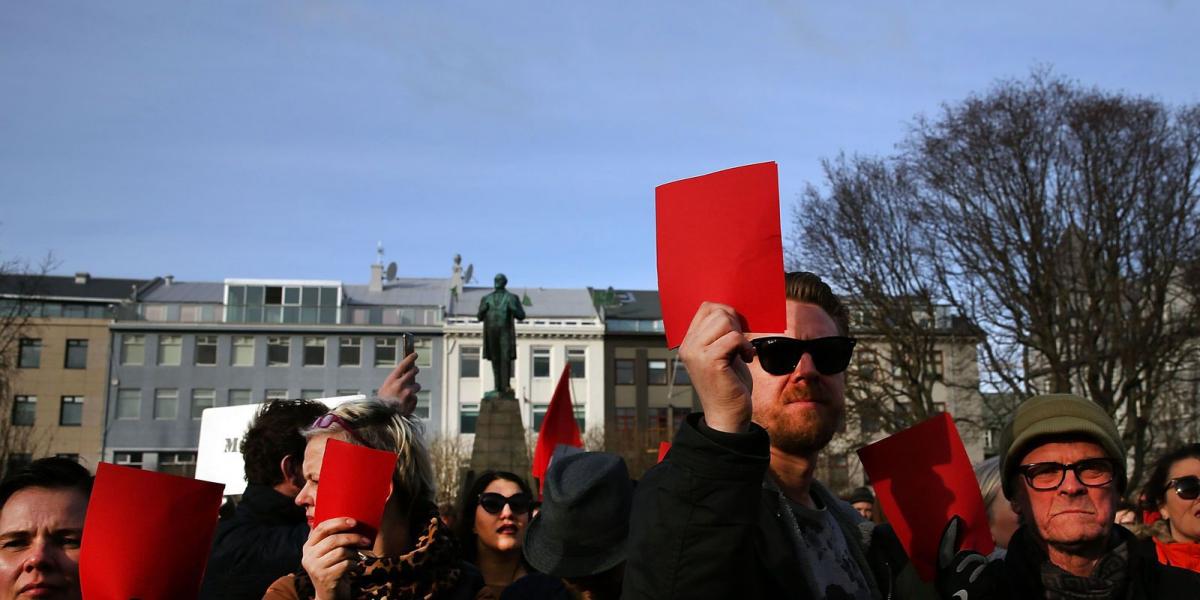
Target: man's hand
[401, 387]
[715, 353]
[967, 575]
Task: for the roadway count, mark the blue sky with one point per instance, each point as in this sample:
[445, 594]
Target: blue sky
[233, 139]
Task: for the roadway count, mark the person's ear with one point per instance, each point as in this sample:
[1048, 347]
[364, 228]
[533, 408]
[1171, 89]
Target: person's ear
[289, 472]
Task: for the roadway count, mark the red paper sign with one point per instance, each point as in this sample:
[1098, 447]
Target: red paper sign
[355, 482]
[922, 477]
[719, 241]
[146, 535]
[663, 447]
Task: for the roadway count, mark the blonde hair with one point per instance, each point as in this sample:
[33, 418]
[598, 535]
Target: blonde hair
[383, 428]
[987, 472]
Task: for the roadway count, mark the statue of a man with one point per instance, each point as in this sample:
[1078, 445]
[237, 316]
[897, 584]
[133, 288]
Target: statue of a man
[498, 311]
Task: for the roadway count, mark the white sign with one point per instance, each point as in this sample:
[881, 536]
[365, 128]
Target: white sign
[218, 455]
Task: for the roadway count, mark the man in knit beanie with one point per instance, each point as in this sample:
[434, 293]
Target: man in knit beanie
[1063, 467]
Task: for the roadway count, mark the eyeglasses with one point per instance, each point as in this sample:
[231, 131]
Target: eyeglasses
[779, 355]
[1187, 488]
[328, 420]
[1044, 476]
[492, 502]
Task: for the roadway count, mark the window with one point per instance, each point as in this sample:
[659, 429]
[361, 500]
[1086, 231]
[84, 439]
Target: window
[624, 371]
[276, 395]
[71, 411]
[580, 417]
[243, 351]
[347, 392]
[424, 349]
[182, 464]
[541, 362]
[350, 351]
[277, 351]
[133, 350]
[239, 397]
[539, 415]
[206, 350]
[385, 352]
[681, 374]
[24, 410]
[577, 358]
[129, 404]
[31, 353]
[202, 399]
[626, 419]
[678, 414]
[71, 456]
[314, 351]
[128, 459]
[422, 409]
[76, 357]
[467, 418]
[656, 371]
[170, 350]
[935, 366]
[468, 362]
[166, 404]
[312, 394]
[154, 312]
[657, 418]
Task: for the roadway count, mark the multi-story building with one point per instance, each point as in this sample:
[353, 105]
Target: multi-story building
[188, 346]
[58, 376]
[647, 392]
[561, 329]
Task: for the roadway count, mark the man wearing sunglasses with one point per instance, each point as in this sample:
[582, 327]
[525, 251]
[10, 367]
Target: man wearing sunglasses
[1063, 467]
[734, 511]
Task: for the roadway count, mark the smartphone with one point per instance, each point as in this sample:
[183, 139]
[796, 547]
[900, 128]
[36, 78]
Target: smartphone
[409, 344]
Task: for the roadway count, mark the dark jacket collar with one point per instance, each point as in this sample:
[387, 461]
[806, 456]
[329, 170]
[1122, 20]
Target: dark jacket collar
[264, 504]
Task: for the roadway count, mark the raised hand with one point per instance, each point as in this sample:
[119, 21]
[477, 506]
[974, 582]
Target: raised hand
[715, 353]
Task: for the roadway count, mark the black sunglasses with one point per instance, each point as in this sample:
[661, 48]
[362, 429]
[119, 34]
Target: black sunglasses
[494, 503]
[1187, 488]
[1092, 472]
[779, 355]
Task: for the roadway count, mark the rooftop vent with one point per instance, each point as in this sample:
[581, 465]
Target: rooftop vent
[82, 277]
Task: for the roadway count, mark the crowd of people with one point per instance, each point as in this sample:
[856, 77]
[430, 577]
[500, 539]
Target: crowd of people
[732, 511]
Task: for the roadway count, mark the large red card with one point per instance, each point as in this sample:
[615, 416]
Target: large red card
[922, 477]
[146, 535]
[355, 482]
[719, 241]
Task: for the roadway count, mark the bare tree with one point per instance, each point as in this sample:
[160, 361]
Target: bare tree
[20, 286]
[450, 455]
[1063, 222]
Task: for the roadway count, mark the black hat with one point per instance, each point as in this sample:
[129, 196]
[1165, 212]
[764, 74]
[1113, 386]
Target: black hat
[584, 522]
[862, 494]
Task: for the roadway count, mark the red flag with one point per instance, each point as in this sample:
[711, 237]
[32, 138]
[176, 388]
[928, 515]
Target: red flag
[558, 427]
[663, 448]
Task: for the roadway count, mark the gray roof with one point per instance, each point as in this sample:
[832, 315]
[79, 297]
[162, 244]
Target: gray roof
[546, 302]
[64, 286]
[641, 305]
[210, 292]
[402, 292]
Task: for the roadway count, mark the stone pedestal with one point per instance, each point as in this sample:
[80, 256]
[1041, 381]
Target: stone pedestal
[499, 437]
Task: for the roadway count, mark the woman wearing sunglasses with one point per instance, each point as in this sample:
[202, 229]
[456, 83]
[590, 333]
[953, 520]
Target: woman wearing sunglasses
[1174, 487]
[495, 512]
[412, 556]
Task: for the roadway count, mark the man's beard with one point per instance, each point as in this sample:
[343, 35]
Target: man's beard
[799, 431]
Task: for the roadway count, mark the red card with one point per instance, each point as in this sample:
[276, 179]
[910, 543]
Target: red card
[719, 241]
[663, 447]
[922, 477]
[146, 535]
[355, 482]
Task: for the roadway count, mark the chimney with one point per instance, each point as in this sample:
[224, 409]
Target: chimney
[82, 277]
[169, 279]
[376, 284]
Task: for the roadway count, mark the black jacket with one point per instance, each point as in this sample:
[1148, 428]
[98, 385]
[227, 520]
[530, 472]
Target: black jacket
[261, 543]
[703, 526]
[1147, 578]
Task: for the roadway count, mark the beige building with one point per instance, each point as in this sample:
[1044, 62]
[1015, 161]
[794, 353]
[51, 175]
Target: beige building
[57, 375]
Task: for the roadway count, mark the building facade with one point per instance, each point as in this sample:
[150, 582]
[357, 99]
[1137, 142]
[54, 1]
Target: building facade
[57, 376]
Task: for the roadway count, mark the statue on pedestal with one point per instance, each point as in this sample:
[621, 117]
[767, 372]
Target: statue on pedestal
[498, 311]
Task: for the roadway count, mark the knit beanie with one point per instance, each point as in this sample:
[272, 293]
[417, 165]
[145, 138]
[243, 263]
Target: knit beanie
[1057, 414]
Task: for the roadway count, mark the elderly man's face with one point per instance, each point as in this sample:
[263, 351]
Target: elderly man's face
[800, 410]
[1071, 514]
